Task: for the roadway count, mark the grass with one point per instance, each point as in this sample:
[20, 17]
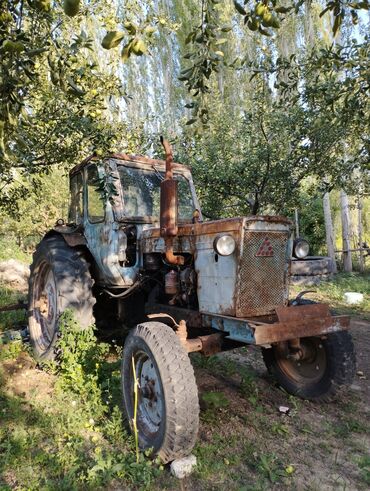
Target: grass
[12, 319]
[73, 437]
[332, 292]
[364, 466]
[10, 249]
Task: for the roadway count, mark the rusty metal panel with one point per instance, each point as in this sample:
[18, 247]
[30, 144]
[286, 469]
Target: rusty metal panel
[216, 277]
[288, 314]
[299, 328]
[263, 272]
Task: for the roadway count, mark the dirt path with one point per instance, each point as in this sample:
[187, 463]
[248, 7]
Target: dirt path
[250, 444]
[361, 336]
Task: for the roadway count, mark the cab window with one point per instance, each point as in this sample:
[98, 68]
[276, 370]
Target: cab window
[76, 205]
[141, 194]
[95, 204]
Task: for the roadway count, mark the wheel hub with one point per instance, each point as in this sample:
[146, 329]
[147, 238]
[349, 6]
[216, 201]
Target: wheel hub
[150, 408]
[45, 306]
[307, 364]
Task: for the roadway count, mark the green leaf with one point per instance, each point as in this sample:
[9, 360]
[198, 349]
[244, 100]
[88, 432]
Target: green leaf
[130, 27]
[337, 24]
[126, 52]
[239, 8]
[71, 7]
[139, 48]
[220, 41]
[112, 39]
[190, 37]
[323, 12]
[283, 10]
[263, 31]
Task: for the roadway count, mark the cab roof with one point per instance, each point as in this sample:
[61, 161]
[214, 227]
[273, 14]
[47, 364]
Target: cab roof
[135, 159]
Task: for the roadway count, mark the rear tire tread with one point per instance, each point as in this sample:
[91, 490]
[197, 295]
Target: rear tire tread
[73, 283]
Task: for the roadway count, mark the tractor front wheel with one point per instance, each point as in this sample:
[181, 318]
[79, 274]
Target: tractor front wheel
[324, 366]
[167, 407]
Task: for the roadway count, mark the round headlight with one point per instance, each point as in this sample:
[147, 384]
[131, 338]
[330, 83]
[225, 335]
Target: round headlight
[224, 245]
[301, 248]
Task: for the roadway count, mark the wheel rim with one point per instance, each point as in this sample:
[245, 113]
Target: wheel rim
[311, 367]
[44, 305]
[150, 410]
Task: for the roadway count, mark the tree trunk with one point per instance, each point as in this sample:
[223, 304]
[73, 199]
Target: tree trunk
[329, 231]
[296, 219]
[359, 233]
[347, 255]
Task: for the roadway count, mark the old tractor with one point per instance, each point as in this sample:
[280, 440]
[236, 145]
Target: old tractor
[141, 257]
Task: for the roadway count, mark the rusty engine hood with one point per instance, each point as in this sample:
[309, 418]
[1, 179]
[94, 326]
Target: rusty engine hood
[217, 226]
[245, 283]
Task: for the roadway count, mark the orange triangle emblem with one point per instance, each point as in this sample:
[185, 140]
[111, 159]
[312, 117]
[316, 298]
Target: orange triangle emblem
[265, 249]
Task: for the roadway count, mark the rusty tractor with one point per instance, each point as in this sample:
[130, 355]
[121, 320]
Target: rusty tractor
[140, 257]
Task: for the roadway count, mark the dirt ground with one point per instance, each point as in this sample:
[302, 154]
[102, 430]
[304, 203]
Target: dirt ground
[312, 447]
[361, 336]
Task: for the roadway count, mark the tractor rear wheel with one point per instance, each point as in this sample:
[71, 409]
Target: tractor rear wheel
[167, 404]
[326, 364]
[59, 280]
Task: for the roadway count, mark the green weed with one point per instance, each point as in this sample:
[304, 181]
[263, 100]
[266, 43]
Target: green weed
[348, 425]
[76, 439]
[214, 403]
[214, 364]
[8, 320]
[11, 351]
[9, 249]
[332, 292]
[218, 457]
[364, 466]
[215, 400]
[279, 428]
[270, 468]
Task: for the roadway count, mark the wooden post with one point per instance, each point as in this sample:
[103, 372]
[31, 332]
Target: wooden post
[329, 231]
[347, 255]
[359, 233]
[296, 223]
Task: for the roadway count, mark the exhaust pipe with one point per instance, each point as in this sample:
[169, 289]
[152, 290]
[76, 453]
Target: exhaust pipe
[169, 207]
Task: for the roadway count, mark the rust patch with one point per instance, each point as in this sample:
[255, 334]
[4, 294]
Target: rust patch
[74, 240]
[262, 282]
[299, 328]
[211, 344]
[140, 161]
[288, 314]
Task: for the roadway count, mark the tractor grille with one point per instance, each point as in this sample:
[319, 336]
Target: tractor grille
[263, 273]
